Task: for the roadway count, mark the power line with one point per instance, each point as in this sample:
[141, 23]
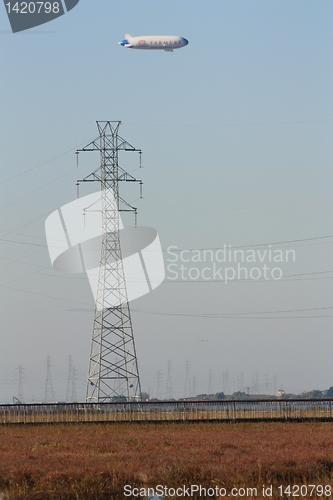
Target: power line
[256, 244]
[43, 295]
[261, 280]
[232, 247]
[245, 315]
[40, 165]
[38, 189]
[214, 125]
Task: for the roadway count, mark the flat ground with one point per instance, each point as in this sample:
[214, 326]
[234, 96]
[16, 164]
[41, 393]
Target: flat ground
[94, 462]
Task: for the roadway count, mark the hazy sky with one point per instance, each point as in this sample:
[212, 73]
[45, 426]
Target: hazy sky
[236, 133]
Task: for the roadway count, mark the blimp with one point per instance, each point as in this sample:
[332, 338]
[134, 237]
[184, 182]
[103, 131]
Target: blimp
[154, 42]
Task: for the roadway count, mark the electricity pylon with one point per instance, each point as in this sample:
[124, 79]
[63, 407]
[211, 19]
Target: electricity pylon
[113, 369]
[20, 395]
[49, 394]
[187, 391]
[169, 391]
[71, 394]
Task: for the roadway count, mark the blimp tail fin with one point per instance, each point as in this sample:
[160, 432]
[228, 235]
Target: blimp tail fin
[127, 35]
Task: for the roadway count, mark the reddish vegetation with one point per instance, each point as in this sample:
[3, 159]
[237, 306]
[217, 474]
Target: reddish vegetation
[94, 462]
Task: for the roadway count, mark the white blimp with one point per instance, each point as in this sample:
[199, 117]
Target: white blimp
[154, 42]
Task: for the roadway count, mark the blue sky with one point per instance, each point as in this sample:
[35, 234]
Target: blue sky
[236, 133]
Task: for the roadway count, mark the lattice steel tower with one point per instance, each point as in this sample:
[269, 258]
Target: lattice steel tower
[113, 369]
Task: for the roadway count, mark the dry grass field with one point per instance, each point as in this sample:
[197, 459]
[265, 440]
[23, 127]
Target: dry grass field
[94, 462]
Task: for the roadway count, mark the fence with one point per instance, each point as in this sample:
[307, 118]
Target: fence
[169, 411]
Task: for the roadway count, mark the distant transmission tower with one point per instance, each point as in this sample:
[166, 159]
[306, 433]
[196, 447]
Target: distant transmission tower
[225, 382]
[49, 394]
[113, 369]
[71, 394]
[210, 382]
[255, 383]
[275, 381]
[20, 395]
[194, 385]
[159, 384]
[240, 382]
[187, 390]
[266, 385]
[169, 390]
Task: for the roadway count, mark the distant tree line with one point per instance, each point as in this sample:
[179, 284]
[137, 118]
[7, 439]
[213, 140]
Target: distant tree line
[314, 394]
